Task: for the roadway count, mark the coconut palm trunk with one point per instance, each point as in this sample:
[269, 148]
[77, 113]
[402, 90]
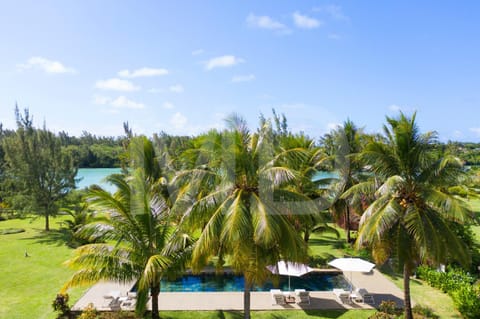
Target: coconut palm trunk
[246, 299]
[406, 292]
[155, 292]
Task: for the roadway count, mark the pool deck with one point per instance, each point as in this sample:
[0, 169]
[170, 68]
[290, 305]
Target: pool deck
[376, 283]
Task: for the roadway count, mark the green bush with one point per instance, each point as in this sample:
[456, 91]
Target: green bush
[448, 281]
[423, 312]
[89, 312]
[388, 306]
[459, 285]
[60, 305]
[466, 300]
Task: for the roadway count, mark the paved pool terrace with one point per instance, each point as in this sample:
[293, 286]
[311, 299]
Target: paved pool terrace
[375, 282]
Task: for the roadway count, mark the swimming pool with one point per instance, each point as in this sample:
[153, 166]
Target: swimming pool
[314, 281]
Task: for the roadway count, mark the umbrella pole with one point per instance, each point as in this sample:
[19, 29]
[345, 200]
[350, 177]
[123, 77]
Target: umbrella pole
[289, 283]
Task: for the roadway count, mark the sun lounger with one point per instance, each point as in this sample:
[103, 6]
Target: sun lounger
[364, 296]
[277, 297]
[342, 295]
[303, 296]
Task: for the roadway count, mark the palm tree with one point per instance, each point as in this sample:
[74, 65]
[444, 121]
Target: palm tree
[238, 195]
[307, 162]
[137, 219]
[410, 216]
[344, 144]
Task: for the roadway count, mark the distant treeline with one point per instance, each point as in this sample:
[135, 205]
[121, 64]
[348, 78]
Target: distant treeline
[469, 152]
[91, 151]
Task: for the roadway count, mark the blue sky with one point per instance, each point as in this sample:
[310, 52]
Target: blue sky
[182, 66]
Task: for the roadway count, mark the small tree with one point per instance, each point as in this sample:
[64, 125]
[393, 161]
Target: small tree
[39, 173]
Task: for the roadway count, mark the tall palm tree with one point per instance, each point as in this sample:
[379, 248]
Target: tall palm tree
[238, 195]
[410, 216]
[345, 143]
[307, 162]
[137, 219]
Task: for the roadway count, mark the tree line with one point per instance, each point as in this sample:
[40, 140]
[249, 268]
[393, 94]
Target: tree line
[249, 198]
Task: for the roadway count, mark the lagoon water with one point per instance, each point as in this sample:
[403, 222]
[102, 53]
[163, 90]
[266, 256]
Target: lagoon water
[90, 176]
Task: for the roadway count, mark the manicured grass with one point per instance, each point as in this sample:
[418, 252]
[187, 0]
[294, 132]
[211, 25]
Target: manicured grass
[326, 247]
[423, 294]
[475, 205]
[29, 284]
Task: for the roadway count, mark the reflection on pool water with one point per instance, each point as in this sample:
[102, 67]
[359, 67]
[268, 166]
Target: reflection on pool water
[314, 281]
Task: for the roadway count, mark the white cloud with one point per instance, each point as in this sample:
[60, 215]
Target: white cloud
[142, 72]
[116, 85]
[197, 52]
[265, 22]
[475, 130]
[177, 88]
[118, 103]
[305, 22]
[124, 102]
[222, 62]
[168, 105]
[243, 78]
[178, 121]
[46, 65]
[335, 12]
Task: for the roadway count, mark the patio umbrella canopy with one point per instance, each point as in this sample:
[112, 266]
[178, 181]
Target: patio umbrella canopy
[352, 264]
[289, 269]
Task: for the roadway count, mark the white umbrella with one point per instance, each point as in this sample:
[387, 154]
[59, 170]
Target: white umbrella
[352, 264]
[289, 269]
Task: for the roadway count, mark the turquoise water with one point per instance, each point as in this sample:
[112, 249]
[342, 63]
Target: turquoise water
[314, 281]
[90, 176]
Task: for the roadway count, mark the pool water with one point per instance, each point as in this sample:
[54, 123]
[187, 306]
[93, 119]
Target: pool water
[314, 281]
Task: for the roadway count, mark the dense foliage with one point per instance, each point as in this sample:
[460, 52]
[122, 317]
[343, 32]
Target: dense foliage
[413, 210]
[246, 198]
[459, 285]
[38, 172]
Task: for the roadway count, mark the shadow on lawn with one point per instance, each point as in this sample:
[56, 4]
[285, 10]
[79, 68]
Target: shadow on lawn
[57, 237]
[333, 242]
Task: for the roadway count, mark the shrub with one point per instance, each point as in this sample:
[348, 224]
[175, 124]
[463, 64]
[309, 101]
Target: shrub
[60, 305]
[381, 315]
[466, 300]
[459, 285]
[89, 312]
[389, 307]
[423, 312]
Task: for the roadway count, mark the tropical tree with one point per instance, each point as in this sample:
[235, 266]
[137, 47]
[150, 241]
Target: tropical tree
[345, 142]
[238, 196]
[412, 211]
[307, 162]
[39, 173]
[146, 246]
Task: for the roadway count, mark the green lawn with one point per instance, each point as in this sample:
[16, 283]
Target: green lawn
[29, 284]
[421, 293]
[475, 205]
